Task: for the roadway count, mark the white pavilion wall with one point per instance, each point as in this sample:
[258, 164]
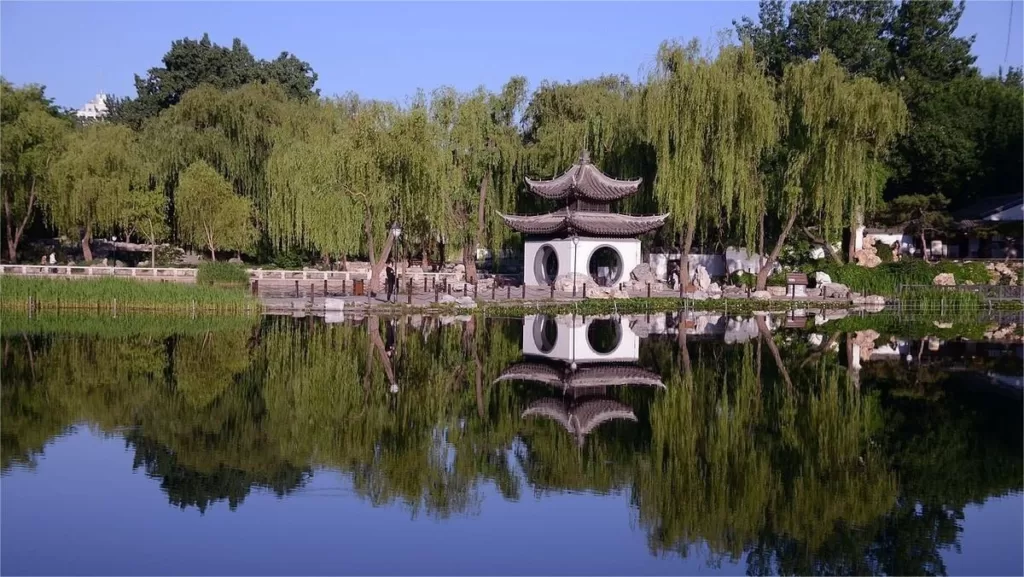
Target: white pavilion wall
[627, 248]
[571, 344]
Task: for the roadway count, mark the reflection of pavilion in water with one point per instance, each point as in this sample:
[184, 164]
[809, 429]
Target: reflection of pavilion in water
[584, 359]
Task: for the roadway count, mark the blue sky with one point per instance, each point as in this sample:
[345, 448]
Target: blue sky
[389, 49]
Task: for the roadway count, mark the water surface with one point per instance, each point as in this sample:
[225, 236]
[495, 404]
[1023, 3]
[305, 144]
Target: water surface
[514, 446]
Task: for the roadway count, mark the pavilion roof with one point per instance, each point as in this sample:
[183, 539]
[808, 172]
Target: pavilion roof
[579, 419]
[584, 180]
[586, 222]
[587, 377]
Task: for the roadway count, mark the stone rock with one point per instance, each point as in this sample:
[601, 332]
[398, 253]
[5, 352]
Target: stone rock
[643, 274]
[564, 282]
[698, 296]
[867, 256]
[448, 299]
[235, 260]
[969, 282]
[598, 294]
[944, 279]
[815, 339]
[714, 288]
[640, 328]
[874, 300]
[761, 295]
[836, 291]
[701, 278]
[105, 262]
[620, 294]
[144, 263]
[466, 302]
[939, 325]
[119, 263]
[777, 291]
[459, 268]
[821, 278]
[866, 341]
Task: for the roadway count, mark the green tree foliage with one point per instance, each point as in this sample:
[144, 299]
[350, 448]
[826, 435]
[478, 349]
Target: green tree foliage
[95, 181]
[190, 64]
[710, 121]
[210, 214]
[32, 136]
[920, 215]
[837, 131]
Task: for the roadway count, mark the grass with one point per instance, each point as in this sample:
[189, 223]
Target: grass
[886, 325]
[81, 323]
[887, 278]
[222, 273]
[122, 294]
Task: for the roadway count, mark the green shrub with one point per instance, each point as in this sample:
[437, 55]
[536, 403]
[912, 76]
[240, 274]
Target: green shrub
[886, 279]
[100, 294]
[222, 273]
[884, 251]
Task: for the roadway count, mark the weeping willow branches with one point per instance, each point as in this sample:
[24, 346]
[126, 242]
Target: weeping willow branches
[710, 121]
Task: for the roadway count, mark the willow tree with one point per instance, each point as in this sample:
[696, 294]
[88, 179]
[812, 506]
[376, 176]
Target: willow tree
[828, 167]
[478, 134]
[230, 130]
[210, 214]
[32, 135]
[709, 121]
[599, 115]
[342, 172]
[93, 181]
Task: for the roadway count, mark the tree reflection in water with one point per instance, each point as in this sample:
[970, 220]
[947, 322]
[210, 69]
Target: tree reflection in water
[826, 474]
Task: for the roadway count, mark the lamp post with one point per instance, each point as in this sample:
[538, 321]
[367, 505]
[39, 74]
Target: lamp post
[575, 250]
[396, 230]
[113, 240]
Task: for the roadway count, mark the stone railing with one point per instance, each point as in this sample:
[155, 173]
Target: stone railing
[190, 273]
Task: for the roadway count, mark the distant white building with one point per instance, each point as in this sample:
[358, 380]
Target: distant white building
[95, 108]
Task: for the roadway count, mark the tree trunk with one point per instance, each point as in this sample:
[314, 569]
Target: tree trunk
[481, 215]
[14, 237]
[762, 328]
[152, 255]
[86, 241]
[686, 242]
[766, 268]
[376, 265]
[924, 248]
[826, 246]
[469, 261]
[213, 254]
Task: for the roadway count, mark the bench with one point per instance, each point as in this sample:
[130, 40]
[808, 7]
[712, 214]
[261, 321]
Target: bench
[796, 281]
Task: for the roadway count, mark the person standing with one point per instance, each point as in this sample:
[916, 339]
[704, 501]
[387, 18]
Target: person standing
[391, 280]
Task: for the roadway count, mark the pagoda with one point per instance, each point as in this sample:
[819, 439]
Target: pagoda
[583, 236]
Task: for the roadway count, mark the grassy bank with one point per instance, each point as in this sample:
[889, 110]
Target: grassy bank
[886, 279]
[105, 325]
[124, 294]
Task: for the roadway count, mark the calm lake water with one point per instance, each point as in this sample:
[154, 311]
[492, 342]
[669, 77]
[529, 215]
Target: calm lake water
[506, 446]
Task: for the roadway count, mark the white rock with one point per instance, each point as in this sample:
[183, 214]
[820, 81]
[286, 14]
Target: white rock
[815, 339]
[944, 279]
[714, 288]
[698, 296]
[821, 278]
[643, 274]
[761, 295]
[701, 278]
[448, 299]
[466, 302]
[777, 291]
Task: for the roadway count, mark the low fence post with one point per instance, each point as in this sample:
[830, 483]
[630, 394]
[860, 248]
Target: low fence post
[312, 294]
[584, 290]
[325, 288]
[409, 295]
[508, 291]
[524, 291]
[296, 289]
[552, 285]
[648, 290]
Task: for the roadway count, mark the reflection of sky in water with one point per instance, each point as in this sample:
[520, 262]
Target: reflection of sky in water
[83, 510]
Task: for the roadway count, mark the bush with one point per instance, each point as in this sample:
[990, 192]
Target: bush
[884, 251]
[886, 279]
[222, 273]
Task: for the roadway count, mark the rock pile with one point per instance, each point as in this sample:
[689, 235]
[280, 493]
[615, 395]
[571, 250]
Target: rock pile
[944, 279]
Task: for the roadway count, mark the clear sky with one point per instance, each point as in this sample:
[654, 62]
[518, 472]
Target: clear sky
[389, 49]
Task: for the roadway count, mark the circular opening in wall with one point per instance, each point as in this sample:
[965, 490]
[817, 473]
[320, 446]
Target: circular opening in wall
[545, 333]
[545, 265]
[604, 335]
[605, 266]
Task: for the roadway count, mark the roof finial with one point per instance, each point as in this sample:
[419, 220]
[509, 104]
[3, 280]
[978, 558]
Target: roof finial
[585, 156]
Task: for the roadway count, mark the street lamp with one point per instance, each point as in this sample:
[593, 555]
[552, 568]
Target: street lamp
[113, 240]
[575, 250]
[396, 231]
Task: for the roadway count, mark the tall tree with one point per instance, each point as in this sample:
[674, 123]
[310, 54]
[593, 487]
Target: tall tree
[93, 181]
[191, 63]
[32, 136]
[828, 166]
[710, 120]
[478, 132]
[210, 213]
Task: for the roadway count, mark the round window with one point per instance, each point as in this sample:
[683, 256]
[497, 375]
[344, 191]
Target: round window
[545, 333]
[604, 335]
[545, 266]
[605, 266]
